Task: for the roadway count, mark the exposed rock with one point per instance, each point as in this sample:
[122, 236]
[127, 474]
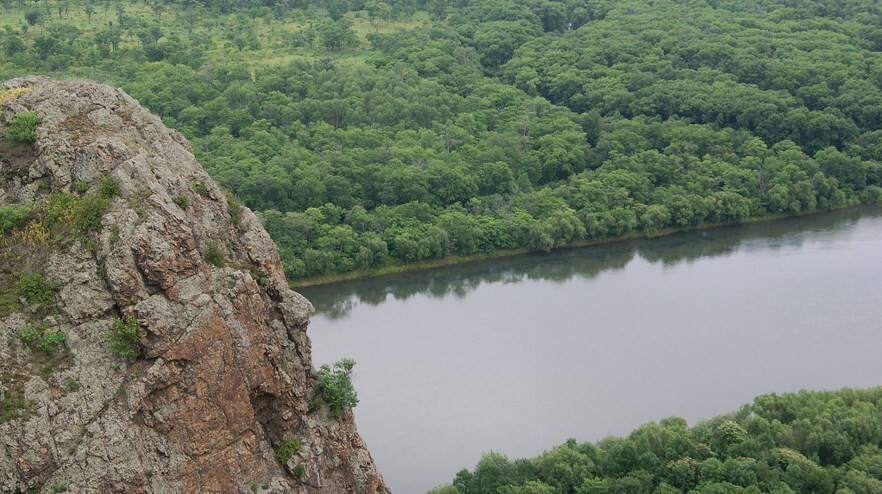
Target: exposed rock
[224, 373]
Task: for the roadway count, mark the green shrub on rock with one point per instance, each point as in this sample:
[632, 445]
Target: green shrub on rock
[124, 338]
[23, 127]
[335, 385]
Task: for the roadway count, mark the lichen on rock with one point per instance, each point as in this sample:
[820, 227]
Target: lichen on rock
[223, 373]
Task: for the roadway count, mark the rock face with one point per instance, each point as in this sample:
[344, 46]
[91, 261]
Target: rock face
[224, 374]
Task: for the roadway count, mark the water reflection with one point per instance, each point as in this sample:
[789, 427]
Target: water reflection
[336, 301]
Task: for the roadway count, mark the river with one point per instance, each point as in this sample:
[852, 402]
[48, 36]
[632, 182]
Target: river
[518, 354]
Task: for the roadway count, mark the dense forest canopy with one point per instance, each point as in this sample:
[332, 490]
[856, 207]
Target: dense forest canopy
[372, 133]
[794, 443]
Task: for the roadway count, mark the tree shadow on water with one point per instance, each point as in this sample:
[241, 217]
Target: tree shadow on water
[337, 300]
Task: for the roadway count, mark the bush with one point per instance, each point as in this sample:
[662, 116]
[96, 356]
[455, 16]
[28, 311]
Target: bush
[335, 385]
[36, 289]
[214, 255]
[61, 209]
[235, 208]
[108, 188]
[12, 216]
[46, 340]
[182, 201]
[23, 127]
[289, 447]
[124, 338]
[91, 210]
[201, 189]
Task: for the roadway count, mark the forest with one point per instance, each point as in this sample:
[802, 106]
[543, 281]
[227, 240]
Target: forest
[371, 133]
[793, 443]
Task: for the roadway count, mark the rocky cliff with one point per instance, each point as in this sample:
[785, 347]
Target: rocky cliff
[148, 340]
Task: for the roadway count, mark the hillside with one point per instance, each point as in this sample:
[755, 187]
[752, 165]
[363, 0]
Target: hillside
[149, 342]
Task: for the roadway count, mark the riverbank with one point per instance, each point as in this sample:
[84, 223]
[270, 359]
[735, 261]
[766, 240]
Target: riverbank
[627, 332]
[453, 260]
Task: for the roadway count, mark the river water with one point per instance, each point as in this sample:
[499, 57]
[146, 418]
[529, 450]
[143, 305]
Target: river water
[521, 353]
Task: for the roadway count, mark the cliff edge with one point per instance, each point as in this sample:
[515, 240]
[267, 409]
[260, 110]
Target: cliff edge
[149, 342]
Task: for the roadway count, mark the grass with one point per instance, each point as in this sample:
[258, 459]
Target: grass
[12, 407]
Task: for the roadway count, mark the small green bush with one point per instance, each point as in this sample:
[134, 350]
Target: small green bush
[124, 338]
[201, 189]
[215, 255]
[30, 334]
[289, 447]
[299, 470]
[71, 384]
[50, 342]
[335, 385]
[64, 209]
[182, 201]
[36, 289]
[235, 208]
[43, 339]
[12, 216]
[90, 211]
[23, 127]
[108, 188]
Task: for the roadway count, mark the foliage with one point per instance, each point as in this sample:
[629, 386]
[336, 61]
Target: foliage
[335, 385]
[64, 210]
[363, 142]
[107, 188]
[12, 216]
[42, 338]
[13, 93]
[201, 189]
[235, 208]
[214, 255]
[287, 448]
[124, 338]
[805, 443]
[182, 201]
[36, 289]
[23, 127]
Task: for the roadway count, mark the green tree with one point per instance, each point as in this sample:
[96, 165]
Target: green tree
[334, 383]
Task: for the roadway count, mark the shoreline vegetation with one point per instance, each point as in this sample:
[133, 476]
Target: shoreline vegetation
[455, 260]
[806, 442]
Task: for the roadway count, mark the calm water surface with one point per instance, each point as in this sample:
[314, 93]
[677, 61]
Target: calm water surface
[517, 355]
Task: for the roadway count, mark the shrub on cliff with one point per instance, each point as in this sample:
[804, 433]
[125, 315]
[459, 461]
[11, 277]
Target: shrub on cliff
[23, 127]
[124, 338]
[335, 385]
